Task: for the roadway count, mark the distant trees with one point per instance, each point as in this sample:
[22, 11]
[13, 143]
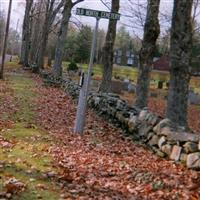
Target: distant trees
[180, 59]
[151, 33]
[62, 34]
[108, 51]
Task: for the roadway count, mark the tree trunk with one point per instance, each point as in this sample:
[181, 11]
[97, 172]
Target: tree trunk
[26, 35]
[151, 33]
[108, 51]
[180, 59]
[57, 67]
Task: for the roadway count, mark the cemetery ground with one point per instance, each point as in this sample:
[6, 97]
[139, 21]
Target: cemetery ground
[41, 158]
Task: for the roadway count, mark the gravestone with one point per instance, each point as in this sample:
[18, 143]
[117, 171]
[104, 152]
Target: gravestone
[193, 98]
[131, 88]
[160, 84]
[125, 84]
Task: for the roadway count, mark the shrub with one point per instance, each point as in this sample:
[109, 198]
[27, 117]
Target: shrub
[72, 66]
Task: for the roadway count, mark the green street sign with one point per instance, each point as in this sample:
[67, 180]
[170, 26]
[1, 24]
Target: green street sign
[97, 14]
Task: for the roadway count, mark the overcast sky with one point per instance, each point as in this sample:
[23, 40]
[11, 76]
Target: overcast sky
[18, 12]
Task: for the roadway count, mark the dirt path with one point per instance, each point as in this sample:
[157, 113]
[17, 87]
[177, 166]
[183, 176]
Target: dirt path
[40, 151]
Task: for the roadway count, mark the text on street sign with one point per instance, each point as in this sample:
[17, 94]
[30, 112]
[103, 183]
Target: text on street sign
[97, 14]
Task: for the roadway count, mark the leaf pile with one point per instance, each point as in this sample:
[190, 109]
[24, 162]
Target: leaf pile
[102, 163]
[8, 105]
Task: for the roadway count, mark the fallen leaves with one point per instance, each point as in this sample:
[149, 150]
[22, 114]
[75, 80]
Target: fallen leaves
[102, 163]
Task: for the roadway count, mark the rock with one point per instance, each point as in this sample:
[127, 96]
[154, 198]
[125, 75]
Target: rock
[158, 152]
[143, 114]
[190, 147]
[183, 136]
[167, 148]
[183, 157]
[193, 161]
[144, 129]
[153, 141]
[132, 123]
[176, 153]
[150, 135]
[164, 126]
[161, 141]
[199, 145]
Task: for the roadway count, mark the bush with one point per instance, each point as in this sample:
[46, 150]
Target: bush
[72, 66]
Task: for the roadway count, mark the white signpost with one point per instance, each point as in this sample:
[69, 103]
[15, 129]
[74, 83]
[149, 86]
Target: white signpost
[85, 80]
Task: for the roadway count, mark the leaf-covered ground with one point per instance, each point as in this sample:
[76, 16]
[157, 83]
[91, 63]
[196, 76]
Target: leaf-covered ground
[47, 161]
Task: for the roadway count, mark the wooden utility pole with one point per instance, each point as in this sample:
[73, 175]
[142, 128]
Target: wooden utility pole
[5, 39]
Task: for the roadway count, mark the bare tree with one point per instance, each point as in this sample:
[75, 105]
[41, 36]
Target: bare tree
[108, 51]
[50, 14]
[57, 67]
[151, 33]
[26, 35]
[180, 60]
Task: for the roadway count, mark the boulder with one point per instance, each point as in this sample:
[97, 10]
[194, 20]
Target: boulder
[144, 129]
[190, 147]
[176, 153]
[193, 161]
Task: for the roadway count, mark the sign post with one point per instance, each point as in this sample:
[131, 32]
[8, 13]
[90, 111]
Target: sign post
[82, 103]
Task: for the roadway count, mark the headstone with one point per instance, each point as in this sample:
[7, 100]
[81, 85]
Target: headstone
[131, 88]
[125, 84]
[160, 84]
[193, 98]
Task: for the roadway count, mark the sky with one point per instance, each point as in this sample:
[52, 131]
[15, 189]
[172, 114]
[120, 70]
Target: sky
[18, 13]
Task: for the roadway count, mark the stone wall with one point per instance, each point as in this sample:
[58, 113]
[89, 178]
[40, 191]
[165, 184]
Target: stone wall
[161, 135]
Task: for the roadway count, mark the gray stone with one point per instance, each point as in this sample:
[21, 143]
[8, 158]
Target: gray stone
[161, 141]
[132, 123]
[176, 153]
[163, 126]
[143, 114]
[183, 157]
[150, 135]
[193, 161]
[153, 141]
[190, 147]
[183, 136]
[167, 148]
[144, 129]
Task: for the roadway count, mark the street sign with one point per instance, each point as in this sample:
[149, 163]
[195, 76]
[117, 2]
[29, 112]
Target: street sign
[98, 14]
[85, 81]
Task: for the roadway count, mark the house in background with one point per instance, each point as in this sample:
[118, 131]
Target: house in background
[161, 64]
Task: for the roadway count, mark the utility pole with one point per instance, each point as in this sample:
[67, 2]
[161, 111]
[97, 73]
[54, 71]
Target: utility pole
[5, 40]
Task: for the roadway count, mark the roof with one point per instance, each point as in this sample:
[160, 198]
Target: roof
[162, 64]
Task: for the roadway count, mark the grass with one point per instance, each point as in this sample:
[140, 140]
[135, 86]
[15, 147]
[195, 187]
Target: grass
[131, 73]
[28, 160]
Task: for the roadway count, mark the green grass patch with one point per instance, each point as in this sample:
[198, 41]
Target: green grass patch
[28, 159]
